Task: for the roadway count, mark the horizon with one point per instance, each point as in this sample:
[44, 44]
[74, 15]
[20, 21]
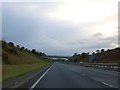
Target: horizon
[15, 45]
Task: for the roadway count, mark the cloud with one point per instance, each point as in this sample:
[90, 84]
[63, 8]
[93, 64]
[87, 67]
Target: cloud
[80, 11]
[97, 34]
[61, 27]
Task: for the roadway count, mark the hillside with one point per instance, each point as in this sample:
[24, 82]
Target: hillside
[17, 61]
[14, 55]
[109, 56]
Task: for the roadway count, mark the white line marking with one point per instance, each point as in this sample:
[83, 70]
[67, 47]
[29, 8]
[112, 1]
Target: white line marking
[107, 84]
[33, 86]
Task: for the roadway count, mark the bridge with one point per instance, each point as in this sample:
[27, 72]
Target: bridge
[55, 57]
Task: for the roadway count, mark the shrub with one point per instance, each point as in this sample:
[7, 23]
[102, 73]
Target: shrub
[10, 43]
[18, 46]
[33, 51]
[22, 48]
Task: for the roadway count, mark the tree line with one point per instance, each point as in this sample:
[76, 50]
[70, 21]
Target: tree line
[34, 51]
[84, 56]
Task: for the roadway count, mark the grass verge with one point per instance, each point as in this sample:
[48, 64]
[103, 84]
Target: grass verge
[13, 71]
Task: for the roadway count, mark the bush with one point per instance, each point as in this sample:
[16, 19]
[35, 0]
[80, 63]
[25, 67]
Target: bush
[18, 46]
[10, 43]
[33, 51]
[22, 48]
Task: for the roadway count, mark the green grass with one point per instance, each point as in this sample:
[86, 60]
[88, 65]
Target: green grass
[13, 71]
[12, 55]
[16, 62]
[0, 73]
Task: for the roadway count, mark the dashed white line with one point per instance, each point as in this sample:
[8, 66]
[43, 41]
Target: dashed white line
[107, 84]
[33, 86]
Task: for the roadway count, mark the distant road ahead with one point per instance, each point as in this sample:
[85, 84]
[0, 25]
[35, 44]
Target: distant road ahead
[71, 76]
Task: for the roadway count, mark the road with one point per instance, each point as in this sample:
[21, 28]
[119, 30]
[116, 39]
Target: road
[71, 76]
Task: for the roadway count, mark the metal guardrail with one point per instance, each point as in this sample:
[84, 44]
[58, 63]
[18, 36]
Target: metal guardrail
[105, 66]
[115, 67]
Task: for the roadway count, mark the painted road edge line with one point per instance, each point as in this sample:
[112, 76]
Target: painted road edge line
[33, 86]
[107, 84]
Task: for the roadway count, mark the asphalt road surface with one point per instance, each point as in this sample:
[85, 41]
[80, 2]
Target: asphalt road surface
[71, 76]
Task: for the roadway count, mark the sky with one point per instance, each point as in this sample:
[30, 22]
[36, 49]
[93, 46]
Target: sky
[61, 27]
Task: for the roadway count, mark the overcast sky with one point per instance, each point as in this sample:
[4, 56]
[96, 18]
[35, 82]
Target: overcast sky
[61, 27]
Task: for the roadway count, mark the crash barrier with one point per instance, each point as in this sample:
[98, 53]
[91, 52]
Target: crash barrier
[105, 66]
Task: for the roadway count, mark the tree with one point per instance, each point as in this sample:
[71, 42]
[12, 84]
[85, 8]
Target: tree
[98, 51]
[75, 57]
[43, 54]
[18, 46]
[33, 51]
[26, 49]
[40, 54]
[37, 53]
[22, 48]
[11, 43]
[84, 55]
[88, 53]
[102, 50]
[108, 50]
[93, 53]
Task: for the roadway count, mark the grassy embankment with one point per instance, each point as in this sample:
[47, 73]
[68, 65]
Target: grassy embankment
[16, 62]
[0, 62]
[106, 57]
